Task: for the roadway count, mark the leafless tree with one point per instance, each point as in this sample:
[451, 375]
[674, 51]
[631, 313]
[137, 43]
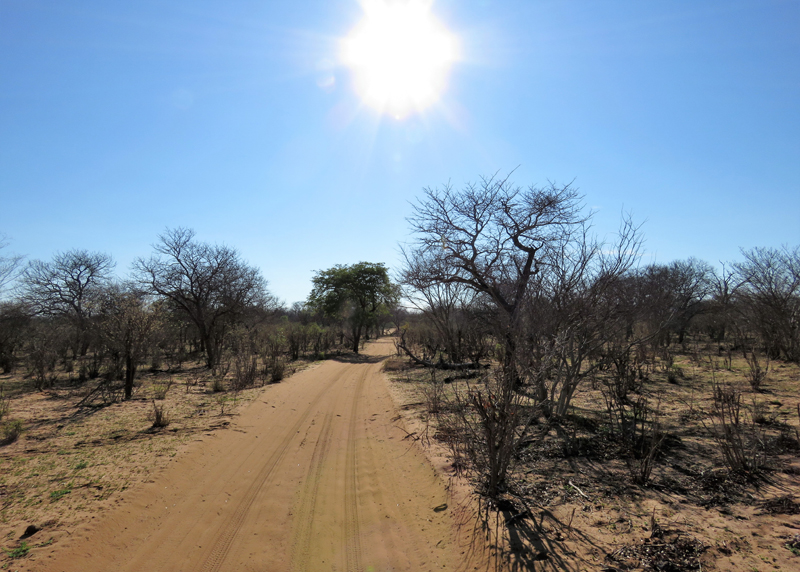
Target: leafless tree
[9, 265]
[211, 284]
[128, 325]
[529, 255]
[497, 239]
[690, 286]
[492, 237]
[770, 295]
[724, 287]
[14, 322]
[66, 287]
[449, 307]
[574, 311]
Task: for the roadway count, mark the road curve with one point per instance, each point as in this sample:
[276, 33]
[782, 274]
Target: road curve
[314, 475]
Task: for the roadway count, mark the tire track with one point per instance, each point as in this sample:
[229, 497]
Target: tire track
[231, 527]
[354, 498]
[305, 513]
[352, 534]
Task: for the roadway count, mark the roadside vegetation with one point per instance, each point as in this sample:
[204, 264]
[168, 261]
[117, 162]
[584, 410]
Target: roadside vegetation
[555, 369]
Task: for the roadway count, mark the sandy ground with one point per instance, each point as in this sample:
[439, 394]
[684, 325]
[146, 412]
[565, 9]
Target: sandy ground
[316, 474]
[584, 514]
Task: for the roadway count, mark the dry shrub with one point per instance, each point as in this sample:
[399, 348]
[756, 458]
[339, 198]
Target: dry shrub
[626, 376]
[394, 364]
[4, 403]
[217, 384]
[638, 428]
[756, 371]
[191, 381]
[785, 504]
[488, 423]
[108, 391]
[433, 392]
[738, 437]
[160, 390]
[222, 401]
[159, 416]
[11, 430]
[245, 371]
[277, 370]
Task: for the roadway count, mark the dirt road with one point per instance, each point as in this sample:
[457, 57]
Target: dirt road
[315, 475]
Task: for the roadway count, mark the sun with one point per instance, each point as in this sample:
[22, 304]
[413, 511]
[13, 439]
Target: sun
[400, 55]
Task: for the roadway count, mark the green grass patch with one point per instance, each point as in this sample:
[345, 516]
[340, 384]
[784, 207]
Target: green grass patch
[60, 493]
[20, 551]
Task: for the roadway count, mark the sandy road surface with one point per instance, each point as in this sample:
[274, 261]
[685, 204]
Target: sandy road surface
[314, 475]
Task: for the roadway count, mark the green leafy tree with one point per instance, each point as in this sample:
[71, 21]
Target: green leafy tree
[360, 294]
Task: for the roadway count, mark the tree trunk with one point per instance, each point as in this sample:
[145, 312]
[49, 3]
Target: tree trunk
[510, 374]
[130, 374]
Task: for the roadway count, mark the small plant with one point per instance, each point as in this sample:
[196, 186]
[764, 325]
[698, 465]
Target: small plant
[762, 414]
[81, 465]
[756, 372]
[740, 442]
[729, 359]
[159, 416]
[10, 432]
[278, 370]
[20, 551]
[217, 384]
[190, 381]
[160, 390]
[222, 368]
[245, 371]
[638, 428]
[60, 493]
[794, 544]
[221, 400]
[4, 403]
[674, 374]
[434, 394]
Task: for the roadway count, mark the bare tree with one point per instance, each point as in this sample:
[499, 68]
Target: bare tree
[529, 255]
[573, 312]
[9, 265]
[14, 323]
[724, 288]
[685, 286]
[770, 294]
[128, 325]
[492, 237]
[65, 287]
[496, 238]
[449, 307]
[211, 284]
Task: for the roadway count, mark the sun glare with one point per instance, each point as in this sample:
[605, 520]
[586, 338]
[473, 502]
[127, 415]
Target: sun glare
[400, 56]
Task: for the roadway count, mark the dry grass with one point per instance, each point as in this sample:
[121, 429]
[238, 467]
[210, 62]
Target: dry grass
[572, 503]
[70, 462]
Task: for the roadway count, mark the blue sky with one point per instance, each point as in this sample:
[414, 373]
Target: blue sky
[119, 119]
